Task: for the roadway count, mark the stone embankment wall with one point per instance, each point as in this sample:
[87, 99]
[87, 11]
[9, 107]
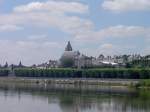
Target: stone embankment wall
[78, 81]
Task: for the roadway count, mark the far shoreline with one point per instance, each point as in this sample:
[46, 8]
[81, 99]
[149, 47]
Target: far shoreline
[70, 81]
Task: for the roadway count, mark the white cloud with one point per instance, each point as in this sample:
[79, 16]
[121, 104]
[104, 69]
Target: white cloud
[7, 27]
[29, 52]
[118, 31]
[38, 37]
[125, 31]
[53, 6]
[41, 14]
[126, 5]
[50, 14]
[111, 49]
[108, 49]
[106, 46]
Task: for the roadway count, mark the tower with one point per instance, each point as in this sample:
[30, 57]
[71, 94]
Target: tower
[20, 64]
[68, 47]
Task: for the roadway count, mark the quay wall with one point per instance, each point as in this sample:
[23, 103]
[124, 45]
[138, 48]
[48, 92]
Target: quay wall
[71, 81]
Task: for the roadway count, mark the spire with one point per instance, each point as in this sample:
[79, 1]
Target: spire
[6, 65]
[68, 47]
[20, 64]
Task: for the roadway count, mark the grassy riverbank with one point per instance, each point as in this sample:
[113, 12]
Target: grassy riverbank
[132, 77]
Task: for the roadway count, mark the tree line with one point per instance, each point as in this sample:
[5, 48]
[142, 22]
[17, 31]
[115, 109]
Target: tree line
[4, 72]
[121, 73]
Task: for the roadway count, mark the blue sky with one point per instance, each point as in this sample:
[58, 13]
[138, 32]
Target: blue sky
[35, 31]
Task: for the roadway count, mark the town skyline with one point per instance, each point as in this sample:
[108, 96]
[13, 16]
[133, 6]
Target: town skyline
[37, 31]
[76, 59]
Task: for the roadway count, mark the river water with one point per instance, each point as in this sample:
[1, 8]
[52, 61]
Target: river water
[72, 98]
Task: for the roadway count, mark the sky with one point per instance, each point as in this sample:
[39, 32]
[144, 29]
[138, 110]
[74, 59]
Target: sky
[35, 31]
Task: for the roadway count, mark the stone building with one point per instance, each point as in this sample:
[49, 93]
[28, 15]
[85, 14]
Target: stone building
[74, 59]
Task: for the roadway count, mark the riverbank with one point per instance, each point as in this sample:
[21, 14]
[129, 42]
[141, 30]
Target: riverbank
[74, 81]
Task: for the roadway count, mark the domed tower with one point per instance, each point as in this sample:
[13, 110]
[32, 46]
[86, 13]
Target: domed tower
[68, 57]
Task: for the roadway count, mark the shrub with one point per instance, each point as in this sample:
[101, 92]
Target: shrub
[4, 72]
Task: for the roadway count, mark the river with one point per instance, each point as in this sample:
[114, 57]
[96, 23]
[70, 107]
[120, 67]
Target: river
[72, 98]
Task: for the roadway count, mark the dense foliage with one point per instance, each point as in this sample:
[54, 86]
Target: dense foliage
[144, 83]
[4, 72]
[140, 63]
[85, 73]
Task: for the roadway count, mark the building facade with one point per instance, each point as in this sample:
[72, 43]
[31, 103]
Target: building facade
[74, 59]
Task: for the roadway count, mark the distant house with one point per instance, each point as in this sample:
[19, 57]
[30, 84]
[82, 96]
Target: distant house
[50, 64]
[53, 64]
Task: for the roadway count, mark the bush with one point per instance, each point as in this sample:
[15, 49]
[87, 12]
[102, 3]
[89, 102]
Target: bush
[144, 83]
[4, 72]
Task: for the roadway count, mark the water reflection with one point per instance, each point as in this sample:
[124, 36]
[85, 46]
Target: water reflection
[71, 98]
